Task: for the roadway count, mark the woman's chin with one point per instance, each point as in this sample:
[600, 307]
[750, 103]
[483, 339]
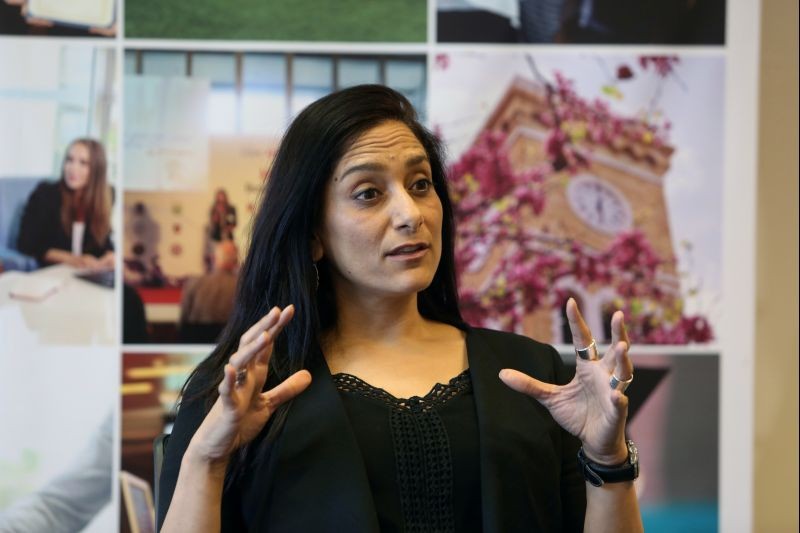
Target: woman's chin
[410, 287]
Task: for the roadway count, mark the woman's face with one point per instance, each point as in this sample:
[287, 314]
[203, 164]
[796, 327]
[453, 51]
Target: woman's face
[77, 167]
[381, 229]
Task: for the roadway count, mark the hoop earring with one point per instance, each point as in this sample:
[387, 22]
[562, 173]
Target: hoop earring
[316, 271]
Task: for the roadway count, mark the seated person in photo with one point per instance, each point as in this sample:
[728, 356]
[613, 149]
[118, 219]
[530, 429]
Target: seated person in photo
[71, 500]
[69, 221]
[207, 300]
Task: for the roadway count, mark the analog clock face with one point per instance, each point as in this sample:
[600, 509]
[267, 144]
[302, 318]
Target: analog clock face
[598, 204]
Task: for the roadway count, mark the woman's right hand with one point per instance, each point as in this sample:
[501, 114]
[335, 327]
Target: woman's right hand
[90, 262]
[242, 409]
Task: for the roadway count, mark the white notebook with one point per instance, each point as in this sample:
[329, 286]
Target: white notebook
[93, 13]
[34, 288]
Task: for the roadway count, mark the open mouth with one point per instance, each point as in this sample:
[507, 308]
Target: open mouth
[409, 250]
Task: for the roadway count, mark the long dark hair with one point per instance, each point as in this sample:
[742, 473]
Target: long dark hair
[93, 204]
[279, 270]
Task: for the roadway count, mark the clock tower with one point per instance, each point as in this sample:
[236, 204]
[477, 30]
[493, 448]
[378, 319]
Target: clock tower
[621, 188]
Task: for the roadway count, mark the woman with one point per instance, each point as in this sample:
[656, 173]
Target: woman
[405, 425]
[69, 221]
[222, 217]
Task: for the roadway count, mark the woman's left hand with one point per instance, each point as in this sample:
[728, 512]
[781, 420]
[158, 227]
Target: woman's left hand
[587, 406]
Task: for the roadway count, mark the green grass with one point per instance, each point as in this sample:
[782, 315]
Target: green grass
[278, 20]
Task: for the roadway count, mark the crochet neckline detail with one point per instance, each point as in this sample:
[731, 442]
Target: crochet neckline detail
[439, 394]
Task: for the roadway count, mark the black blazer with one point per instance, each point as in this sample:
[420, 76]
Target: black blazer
[314, 479]
[41, 229]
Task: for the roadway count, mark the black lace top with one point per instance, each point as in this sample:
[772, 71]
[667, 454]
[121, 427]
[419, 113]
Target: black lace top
[421, 454]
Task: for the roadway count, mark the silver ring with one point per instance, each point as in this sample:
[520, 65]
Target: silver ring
[589, 353]
[619, 384]
[241, 376]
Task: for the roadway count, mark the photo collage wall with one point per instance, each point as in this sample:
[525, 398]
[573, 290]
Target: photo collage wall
[585, 142]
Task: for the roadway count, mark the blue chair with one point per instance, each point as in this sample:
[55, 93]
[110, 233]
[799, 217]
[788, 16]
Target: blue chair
[14, 193]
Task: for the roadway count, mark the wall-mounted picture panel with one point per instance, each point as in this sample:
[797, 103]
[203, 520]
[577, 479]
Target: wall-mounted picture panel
[151, 385]
[200, 132]
[581, 21]
[591, 176]
[279, 20]
[58, 412]
[57, 177]
[76, 18]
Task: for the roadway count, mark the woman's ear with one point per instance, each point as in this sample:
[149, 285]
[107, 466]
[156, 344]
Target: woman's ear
[316, 248]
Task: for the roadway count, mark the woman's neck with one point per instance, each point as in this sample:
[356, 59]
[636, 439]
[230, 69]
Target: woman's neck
[75, 204]
[389, 344]
[377, 319]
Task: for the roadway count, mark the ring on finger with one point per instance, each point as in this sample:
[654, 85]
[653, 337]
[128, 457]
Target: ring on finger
[588, 353]
[241, 376]
[619, 384]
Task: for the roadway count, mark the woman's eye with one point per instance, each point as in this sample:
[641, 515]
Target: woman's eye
[367, 194]
[423, 185]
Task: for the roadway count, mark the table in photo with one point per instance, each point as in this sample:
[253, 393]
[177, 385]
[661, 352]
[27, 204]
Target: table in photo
[77, 312]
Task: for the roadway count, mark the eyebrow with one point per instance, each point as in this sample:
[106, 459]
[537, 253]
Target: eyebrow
[378, 167]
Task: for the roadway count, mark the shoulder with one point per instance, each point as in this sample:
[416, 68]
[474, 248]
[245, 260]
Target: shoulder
[44, 201]
[46, 191]
[47, 187]
[509, 350]
[503, 340]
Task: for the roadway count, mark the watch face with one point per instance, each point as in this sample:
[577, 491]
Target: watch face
[598, 204]
[633, 453]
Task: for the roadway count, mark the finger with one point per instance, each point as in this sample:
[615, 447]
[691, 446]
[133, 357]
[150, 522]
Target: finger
[618, 331]
[259, 346]
[271, 334]
[287, 389]
[259, 350]
[226, 386]
[247, 353]
[581, 335]
[264, 348]
[266, 322]
[623, 368]
[527, 385]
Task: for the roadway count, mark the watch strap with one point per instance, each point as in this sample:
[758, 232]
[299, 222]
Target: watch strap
[598, 474]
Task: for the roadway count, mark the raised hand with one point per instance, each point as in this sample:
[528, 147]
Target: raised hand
[242, 409]
[588, 406]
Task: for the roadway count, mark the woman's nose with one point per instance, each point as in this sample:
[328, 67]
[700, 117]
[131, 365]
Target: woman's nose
[407, 214]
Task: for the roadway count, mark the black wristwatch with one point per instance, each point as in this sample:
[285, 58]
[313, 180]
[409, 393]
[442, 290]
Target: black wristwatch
[598, 474]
